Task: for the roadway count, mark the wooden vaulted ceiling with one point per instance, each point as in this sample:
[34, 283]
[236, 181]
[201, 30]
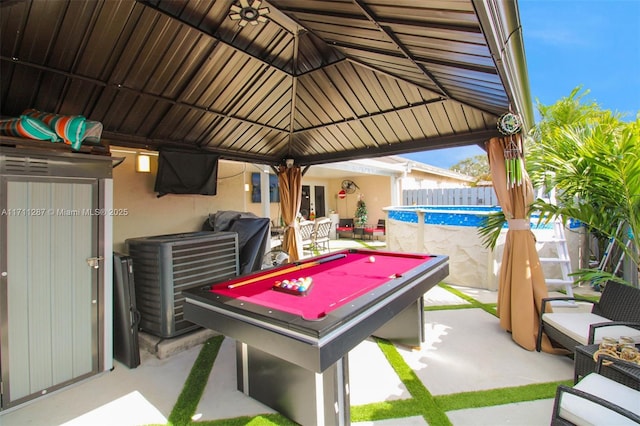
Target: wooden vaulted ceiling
[320, 81]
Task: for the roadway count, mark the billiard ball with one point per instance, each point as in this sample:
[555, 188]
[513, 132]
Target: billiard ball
[372, 259]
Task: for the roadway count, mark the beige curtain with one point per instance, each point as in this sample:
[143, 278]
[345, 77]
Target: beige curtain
[290, 186]
[522, 284]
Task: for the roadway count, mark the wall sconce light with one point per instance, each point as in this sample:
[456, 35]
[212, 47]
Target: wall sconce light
[289, 162]
[246, 187]
[143, 163]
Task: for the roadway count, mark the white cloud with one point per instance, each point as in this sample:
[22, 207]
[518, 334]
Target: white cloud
[563, 37]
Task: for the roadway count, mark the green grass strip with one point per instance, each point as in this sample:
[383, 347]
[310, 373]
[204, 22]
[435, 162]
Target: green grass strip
[500, 396]
[448, 307]
[317, 252]
[396, 409]
[488, 307]
[193, 388]
[261, 420]
[368, 246]
[430, 410]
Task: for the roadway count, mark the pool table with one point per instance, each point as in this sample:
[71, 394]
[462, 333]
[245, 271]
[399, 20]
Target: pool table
[292, 348]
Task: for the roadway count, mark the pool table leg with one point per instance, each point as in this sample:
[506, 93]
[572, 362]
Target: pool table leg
[407, 327]
[304, 396]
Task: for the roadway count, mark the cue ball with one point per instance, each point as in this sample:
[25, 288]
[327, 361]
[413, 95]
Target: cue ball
[372, 259]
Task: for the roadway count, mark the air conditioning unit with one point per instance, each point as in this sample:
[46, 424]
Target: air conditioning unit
[165, 265]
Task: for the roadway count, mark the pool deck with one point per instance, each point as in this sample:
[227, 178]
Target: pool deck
[466, 350]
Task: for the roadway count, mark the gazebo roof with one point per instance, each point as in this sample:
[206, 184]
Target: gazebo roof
[320, 81]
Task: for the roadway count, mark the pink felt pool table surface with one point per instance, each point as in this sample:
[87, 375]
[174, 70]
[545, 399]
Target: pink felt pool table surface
[338, 279]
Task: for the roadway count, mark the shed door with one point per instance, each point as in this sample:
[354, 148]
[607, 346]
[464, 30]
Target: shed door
[48, 296]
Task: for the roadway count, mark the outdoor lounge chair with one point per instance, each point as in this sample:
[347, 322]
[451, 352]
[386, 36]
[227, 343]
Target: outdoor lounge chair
[616, 314]
[344, 228]
[375, 230]
[306, 233]
[321, 233]
[599, 400]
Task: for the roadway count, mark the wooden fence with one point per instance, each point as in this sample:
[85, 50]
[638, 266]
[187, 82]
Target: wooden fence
[479, 196]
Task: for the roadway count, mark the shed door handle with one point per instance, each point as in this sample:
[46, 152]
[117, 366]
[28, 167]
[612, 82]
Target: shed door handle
[94, 262]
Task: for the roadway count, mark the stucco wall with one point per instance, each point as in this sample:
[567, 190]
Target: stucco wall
[470, 264]
[375, 191]
[149, 215]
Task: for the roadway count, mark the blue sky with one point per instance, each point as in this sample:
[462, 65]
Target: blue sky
[568, 43]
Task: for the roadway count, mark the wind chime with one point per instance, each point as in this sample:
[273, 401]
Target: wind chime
[510, 124]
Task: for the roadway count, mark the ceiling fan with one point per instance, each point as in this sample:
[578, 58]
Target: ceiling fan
[248, 13]
[349, 186]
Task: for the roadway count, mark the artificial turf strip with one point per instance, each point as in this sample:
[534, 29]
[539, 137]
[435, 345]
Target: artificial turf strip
[500, 396]
[396, 409]
[194, 386]
[367, 245]
[487, 307]
[448, 307]
[429, 409]
[261, 420]
[317, 252]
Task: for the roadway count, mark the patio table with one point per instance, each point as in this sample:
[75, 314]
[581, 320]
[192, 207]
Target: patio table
[585, 364]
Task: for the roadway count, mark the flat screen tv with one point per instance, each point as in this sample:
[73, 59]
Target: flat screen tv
[186, 172]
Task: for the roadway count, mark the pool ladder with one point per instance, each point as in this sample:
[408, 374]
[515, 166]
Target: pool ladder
[562, 259]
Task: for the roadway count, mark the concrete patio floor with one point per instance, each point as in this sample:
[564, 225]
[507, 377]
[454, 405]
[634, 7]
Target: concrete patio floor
[466, 350]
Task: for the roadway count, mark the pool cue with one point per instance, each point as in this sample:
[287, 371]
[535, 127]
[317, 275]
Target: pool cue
[287, 270]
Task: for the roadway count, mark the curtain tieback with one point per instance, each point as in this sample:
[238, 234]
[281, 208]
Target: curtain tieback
[519, 224]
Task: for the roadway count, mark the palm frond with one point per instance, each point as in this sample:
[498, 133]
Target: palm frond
[490, 227]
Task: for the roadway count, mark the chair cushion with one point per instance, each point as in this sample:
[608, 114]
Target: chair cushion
[371, 230]
[576, 325]
[583, 412]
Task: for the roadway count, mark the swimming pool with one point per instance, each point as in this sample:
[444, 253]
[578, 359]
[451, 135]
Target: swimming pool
[453, 231]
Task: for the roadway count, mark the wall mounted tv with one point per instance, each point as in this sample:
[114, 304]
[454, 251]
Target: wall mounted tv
[186, 172]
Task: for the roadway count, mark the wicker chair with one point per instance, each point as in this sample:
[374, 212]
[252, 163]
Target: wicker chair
[375, 230]
[597, 399]
[306, 233]
[616, 314]
[321, 233]
[345, 228]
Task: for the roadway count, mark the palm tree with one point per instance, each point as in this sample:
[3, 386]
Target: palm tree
[592, 158]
